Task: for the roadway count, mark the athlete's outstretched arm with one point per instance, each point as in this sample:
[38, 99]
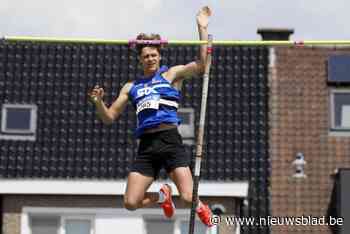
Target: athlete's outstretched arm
[108, 115]
[197, 67]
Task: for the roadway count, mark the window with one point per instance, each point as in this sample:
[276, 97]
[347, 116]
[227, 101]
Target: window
[77, 225]
[338, 69]
[159, 226]
[65, 220]
[60, 224]
[199, 227]
[18, 121]
[44, 225]
[186, 127]
[340, 110]
[177, 226]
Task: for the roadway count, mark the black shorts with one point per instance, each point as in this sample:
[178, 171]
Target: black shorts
[163, 149]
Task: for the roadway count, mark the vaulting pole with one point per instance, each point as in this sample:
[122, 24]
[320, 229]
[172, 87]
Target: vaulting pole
[200, 136]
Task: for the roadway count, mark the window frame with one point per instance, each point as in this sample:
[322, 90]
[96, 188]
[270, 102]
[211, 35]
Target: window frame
[18, 134]
[184, 128]
[62, 214]
[332, 126]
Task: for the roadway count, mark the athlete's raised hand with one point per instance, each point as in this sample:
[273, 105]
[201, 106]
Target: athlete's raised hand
[203, 17]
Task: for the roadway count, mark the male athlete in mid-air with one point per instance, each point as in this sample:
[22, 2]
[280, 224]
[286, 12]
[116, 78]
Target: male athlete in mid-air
[155, 96]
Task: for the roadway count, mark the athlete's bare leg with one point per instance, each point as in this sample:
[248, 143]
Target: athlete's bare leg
[135, 196]
[182, 178]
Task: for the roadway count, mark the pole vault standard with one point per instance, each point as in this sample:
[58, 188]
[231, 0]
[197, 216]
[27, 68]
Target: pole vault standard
[181, 42]
[200, 135]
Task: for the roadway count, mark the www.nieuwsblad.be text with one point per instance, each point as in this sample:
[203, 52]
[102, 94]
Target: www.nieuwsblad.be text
[277, 221]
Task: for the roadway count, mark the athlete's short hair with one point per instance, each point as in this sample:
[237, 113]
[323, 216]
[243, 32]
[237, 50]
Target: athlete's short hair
[147, 37]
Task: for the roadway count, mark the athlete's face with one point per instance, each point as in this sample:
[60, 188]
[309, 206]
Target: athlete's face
[150, 60]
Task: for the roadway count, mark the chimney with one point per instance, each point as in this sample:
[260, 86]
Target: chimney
[272, 34]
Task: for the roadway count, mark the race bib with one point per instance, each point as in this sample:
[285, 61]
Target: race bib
[151, 102]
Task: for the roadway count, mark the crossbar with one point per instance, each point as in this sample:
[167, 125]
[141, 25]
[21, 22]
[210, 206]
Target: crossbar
[180, 42]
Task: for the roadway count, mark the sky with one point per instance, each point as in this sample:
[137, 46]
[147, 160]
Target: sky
[173, 19]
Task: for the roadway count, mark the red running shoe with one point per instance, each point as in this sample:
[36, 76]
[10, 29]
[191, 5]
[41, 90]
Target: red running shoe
[204, 214]
[168, 205]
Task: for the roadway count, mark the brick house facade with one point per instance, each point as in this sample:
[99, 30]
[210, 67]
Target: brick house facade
[299, 111]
